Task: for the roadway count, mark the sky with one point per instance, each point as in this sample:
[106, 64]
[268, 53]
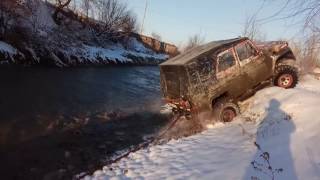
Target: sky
[176, 20]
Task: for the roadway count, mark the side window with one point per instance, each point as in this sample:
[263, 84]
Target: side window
[245, 51]
[225, 61]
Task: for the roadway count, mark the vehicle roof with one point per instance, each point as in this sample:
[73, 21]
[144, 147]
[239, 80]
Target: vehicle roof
[189, 55]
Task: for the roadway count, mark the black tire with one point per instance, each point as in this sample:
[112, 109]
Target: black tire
[286, 76]
[221, 109]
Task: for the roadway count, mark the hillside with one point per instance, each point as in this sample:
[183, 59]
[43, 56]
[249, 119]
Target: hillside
[275, 138]
[36, 39]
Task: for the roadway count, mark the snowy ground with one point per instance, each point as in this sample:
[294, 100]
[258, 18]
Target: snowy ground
[5, 47]
[119, 53]
[283, 123]
[7, 52]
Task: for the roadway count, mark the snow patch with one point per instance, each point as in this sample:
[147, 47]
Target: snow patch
[139, 47]
[280, 142]
[316, 70]
[5, 47]
[116, 53]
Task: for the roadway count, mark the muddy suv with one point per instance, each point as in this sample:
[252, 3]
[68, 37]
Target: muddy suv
[217, 75]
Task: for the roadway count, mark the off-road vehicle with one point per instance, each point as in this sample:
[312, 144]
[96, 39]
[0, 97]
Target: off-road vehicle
[217, 75]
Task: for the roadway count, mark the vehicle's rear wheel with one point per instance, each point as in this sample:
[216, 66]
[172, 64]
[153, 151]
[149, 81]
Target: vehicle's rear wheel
[286, 76]
[225, 111]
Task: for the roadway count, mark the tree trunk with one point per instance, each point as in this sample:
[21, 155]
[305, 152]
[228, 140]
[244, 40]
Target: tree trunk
[59, 8]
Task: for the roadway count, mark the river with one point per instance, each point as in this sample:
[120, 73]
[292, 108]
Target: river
[57, 122]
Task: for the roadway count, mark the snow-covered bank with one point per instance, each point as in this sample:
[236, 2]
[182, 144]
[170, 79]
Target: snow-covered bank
[117, 53]
[276, 138]
[83, 54]
[7, 52]
[5, 47]
[35, 38]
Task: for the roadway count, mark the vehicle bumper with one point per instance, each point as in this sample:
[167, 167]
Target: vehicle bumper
[171, 108]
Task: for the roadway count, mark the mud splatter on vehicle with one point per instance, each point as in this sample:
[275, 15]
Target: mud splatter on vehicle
[217, 75]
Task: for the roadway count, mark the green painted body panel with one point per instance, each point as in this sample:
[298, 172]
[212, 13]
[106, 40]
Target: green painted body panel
[193, 74]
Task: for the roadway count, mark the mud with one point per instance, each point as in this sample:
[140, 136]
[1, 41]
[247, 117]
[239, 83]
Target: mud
[183, 128]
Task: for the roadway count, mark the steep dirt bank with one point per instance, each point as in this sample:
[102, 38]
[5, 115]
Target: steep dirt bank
[82, 55]
[34, 38]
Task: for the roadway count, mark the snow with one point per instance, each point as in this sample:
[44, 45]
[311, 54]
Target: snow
[114, 52]
[316, 70]
[139, 47]
[144, 55]
[118, 53]
[5, 47]
[92, 52]
[283, 123]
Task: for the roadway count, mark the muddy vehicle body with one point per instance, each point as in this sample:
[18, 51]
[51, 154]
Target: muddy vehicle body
[217, 75]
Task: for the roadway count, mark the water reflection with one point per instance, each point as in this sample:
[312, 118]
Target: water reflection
[34, 101]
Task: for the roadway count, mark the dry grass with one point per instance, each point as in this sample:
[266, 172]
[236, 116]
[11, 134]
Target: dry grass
[307, 53]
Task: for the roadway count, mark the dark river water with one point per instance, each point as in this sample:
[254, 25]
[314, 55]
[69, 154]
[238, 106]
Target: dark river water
[56, 122]
[64, 90]
[30, 93]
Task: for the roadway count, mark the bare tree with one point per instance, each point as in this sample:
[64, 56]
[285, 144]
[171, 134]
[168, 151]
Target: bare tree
[129, 23]
[86, 6]
[251, 28]
[60, 5]
[116, 19]
[194, 41]
[311, 51]
[306, 52]
[73, 6]
[308, 10]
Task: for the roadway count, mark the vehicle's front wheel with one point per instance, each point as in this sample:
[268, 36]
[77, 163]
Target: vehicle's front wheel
[286, 76]
[225, 111]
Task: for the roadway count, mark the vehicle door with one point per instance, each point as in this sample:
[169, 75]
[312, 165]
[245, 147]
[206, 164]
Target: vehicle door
[254, 67]
[228, 73]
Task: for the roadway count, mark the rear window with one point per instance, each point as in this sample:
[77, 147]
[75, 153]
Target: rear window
[173, 81]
